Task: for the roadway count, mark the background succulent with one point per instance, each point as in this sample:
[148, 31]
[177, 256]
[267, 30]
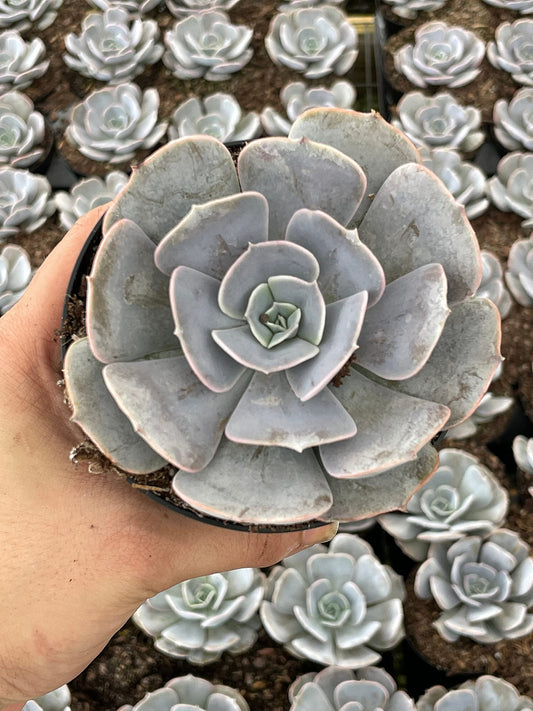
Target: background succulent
[199, 619]
[335, 689]
[245, 407]
[218, 115]
[133, 6]
[490, 407]
[483, 585]
[25, 201]
[20, 62]
[295, 4]
[207, 45]
[113, 46]
[339, 606]
[190, 693]
[519, 273]
[464, 180]
[486, 693]
[87, 194]
[513, 121]
[15, 275]
[297, 97]
[315, 41]
[410, 8]
[439, 122]
[462, 498]
[112, 123]
[185, 7]
[22, 131]
[523, 453]
[510, 189]
[57, 700]
[511, 50]
[442, 55]
[23, 14]
[525, 7]
[492, 284]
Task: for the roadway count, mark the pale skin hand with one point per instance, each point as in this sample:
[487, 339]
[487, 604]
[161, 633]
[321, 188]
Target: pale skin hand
[80, 552]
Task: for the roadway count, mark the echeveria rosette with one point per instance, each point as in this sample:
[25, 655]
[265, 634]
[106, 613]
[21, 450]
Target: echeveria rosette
[56, 700]
[519, 272]
[181, 8]
[513, 121]
[200, 619]
[511, 50]
[336, 606]
[190, 693]
[511, 189]
[15, 275]
[462, 498]
[339, 689]
[20, 62]
[487, 693]
[523, 453]
[409, 9]
[492, 284]
[87, 194]
[483, 585]
[218, 115]
[267, 315]
[25, 14]
[25, 201]
[22, 131]
[135, 7]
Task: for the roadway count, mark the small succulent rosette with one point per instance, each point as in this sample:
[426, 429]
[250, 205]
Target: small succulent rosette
[15, 275]
[87, 194]
[519, 272]
[512, 121]
[190, 693]
[57, 700]
[337, 606]
[523, 453]
[483, 585]
[441, 55]
[492, 284]
[339, 689]
[511, 50]
[21, 62]
[462, 498]
[25, 14]
[488, 409]
[22, 131]
[314, 41]
[233, 340]
[200, 619]
[510, 189]
[134, 7]
[181, 8]
[25, 201]
[409, 9]
[487, 693]
[218, 115]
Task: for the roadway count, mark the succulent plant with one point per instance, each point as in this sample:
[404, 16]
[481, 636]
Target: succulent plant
[483, 585]
[137, 7]
[492, 283]
[464, 180]
[190, 693]
[297, 97]
[113, 46]
[490, 407]
[187, 7]
[295, 4]
[513, 121]
[358, 525]
[199, 619]
[523, 453]
[112, 123]
[439, 122]
[20, 62]
[57, 700]
[218, 115]
[87, 194]
[25, 14]
[462, 498]
[338, 689]
[261, 344]
[22, 131]
[510, 189]
[511, 50]
[525, 7]
[15, 275]
[410, 8]
[315, 41]
[25, 201]
[519, 273]
[442, 55]
[486, 693]
[337, 606]
[207, 45]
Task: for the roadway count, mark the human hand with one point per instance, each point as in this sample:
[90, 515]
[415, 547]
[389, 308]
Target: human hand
[80, 551]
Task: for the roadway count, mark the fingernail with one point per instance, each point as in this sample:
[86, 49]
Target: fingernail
[323, 534]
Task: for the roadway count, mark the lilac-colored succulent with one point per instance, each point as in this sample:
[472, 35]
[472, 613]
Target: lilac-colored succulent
[519, 273]
[409, 9]
[113, 46]
[218, 115]
[486, 693]
[314, 41]
[207, 45]
[524, 7]
[25, 14]
[25, 201]
[439, 121]
[510, 189]
[511, 50]
[462, 498]
[297, 97]
[442, 55]
[251, 287]
[15, 275]
[483, 585]
[22, 131]
[200, 619]
[190, 693]
[87, 194]
[492, 284]
[57, 700]
[513, 121]
[338, 689]
[20, 62]
[336, 606]
[112, 123]
[135, 7]
[181, 8]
